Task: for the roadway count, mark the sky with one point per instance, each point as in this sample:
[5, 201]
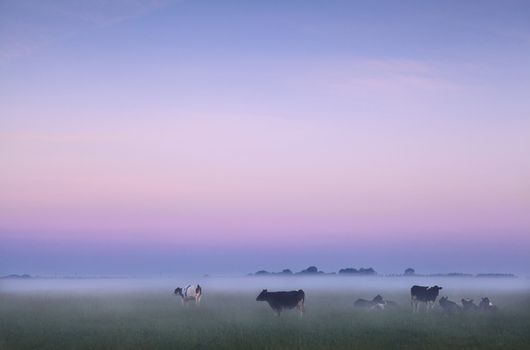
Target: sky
[163, 137]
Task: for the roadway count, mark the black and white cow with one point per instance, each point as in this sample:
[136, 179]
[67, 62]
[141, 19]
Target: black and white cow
[469, 306]
[421, 294]
[449, 307]
[486, 305]
[283, 300]
[189, 293]
[377, 303]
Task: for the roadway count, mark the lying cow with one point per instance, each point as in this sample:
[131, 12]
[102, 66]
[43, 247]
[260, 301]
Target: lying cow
[469, 306]
[389, 304]
[283, 300]
[486, 305]
[190, 293]
[377, 303]
[421, 294]
[449, 307]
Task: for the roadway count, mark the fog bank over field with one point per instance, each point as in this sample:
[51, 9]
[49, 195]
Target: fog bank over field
[256, 284]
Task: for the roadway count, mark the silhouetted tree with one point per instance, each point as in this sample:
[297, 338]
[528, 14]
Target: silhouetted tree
[368, 271]
[310, 270]
[410, 272]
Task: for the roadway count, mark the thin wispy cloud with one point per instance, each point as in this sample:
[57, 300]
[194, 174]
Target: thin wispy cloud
[29, 26]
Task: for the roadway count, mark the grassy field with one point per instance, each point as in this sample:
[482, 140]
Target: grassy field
[230, 320]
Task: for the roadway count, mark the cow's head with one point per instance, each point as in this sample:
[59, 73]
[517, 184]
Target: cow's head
[178, 291]
[467, 301]
[262, 296]
[436, 288]
[486, 302]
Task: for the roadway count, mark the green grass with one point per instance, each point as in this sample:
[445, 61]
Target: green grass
[149, 320]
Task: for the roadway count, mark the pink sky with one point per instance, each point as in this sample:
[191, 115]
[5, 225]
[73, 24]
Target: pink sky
[231, 178]
[144, 123]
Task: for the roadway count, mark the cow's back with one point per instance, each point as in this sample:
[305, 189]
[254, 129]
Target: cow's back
[190, 291]
[363, 303]
[285, 299]
[416, 291]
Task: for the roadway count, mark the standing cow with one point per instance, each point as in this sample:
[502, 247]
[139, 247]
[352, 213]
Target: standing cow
[283, 300]
[421, 294]
[190, 293]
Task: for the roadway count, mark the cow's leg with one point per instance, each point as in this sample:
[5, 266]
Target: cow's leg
[415, 305]
[198, 299]
[301, 307]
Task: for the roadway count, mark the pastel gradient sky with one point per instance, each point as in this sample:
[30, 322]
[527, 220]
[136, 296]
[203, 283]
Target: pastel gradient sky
[144, 137]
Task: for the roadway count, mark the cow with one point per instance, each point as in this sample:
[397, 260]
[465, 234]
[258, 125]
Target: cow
[486, 305]
[377, 303]
[283, 300]
[469, 306]
[189, 293]
[389, 304]
[425, 295]
[449, 307]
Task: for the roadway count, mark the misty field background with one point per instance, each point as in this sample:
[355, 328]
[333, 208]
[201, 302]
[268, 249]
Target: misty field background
[143, 314]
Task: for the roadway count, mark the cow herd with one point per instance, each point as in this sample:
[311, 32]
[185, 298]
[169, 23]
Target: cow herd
[285, 300]
[450, 307]
[428, 295]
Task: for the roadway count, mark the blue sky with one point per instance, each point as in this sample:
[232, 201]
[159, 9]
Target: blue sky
[225, 129]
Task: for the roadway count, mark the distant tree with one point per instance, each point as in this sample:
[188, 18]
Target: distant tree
[262, 272]
[368, 271]
[348, 270]
[286, 272]
[310, 270]
[505, 275]
[410, 272]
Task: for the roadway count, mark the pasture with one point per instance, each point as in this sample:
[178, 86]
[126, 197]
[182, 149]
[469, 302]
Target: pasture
[146, 315]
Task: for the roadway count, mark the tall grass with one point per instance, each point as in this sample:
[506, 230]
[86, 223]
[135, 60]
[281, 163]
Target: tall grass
[156, 320]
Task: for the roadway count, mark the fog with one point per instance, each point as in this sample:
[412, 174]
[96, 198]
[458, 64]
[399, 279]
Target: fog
[247, 284]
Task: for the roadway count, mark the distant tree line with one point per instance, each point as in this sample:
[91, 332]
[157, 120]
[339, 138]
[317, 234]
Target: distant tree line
[313, 270]
[14, 276]
[351, 271]
[411, 272]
